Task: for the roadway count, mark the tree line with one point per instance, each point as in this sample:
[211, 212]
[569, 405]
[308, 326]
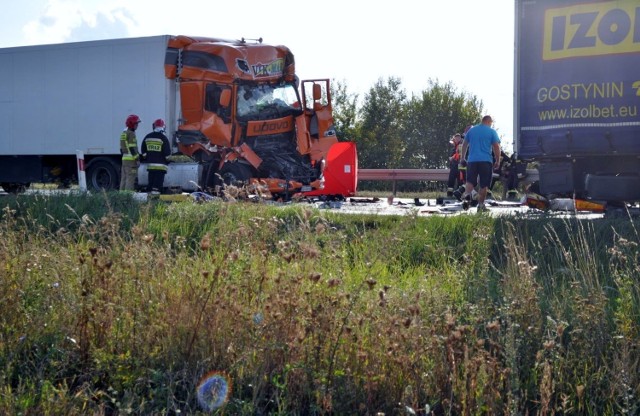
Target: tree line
[394, 130]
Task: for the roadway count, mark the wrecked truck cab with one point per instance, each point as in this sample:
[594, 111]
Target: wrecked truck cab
[244, 118]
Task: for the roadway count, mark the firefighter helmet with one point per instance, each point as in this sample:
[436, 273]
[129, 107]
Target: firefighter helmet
[132, 121]
[159, 125]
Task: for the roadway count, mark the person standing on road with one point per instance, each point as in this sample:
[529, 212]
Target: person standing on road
[130, 156]
[483, 144]
[454, 159]
[155, 149]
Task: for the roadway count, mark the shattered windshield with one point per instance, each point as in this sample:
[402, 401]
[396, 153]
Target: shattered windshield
[255, 99]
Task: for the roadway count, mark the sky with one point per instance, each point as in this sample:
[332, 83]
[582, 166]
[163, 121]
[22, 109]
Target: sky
[466, 42]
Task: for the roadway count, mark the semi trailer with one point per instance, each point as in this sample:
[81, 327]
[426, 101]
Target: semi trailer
[235, 109]
[577, 97]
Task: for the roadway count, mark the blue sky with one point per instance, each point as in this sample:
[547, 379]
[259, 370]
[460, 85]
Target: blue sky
[467, 42]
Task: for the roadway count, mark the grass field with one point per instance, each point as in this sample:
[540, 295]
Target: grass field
[111, 306]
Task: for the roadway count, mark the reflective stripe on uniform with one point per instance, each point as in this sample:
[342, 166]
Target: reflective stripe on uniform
[157, 166]
[153, 145]
[126, 146]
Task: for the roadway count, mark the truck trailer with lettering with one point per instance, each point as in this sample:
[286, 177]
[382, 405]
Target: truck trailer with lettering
[577, 97]
[236, 108]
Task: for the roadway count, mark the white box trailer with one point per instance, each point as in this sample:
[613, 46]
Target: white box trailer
[56, 100]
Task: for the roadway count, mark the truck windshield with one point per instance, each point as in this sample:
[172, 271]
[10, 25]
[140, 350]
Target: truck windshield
[258, 101]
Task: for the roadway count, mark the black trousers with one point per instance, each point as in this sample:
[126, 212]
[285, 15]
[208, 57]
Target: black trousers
[156, 180]
[454, 176]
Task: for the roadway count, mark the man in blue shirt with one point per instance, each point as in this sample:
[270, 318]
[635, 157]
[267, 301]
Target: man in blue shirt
[484, 156]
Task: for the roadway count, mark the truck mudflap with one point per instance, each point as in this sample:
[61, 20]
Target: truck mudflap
[340, 171]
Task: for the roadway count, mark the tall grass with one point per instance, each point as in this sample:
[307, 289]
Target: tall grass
[109, 306]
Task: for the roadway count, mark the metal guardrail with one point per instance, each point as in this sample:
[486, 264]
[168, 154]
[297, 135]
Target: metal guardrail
[429, 175]
[440, 175]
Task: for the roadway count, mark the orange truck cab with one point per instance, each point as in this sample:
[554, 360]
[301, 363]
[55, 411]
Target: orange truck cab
[247, 119]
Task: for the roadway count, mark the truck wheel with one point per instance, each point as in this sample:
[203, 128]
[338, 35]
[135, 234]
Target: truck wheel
[102, 174]
[613, 187]
[15, 188]
[234, 174]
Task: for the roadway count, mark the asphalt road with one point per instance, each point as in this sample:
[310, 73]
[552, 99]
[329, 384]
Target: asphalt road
[428, 207]
[399, 206]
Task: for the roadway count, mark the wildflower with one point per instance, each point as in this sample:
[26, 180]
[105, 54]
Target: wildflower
[493, 326]
[334, 282]
[288, 257]
[450, 319]
[310, 251]
[205, 243]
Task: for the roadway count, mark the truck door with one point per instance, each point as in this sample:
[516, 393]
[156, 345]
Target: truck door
[316, 99]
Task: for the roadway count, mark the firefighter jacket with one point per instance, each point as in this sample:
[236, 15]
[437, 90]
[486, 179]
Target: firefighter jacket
[454, 159]
[155, 149]
[129, 146]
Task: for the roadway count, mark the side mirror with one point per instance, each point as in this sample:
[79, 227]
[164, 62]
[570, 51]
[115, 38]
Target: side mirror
[225, 98]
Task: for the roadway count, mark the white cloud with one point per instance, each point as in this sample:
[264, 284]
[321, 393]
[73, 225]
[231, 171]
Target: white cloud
[73, 20]
[55, 23]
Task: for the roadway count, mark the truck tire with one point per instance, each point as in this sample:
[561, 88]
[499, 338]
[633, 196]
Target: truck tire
[623, 188]
[103, 174]
[14, 188]
[236, 174]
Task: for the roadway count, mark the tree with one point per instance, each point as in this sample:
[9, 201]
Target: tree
[345, 112]
[431, 118]
[395, 132]
[381, 143]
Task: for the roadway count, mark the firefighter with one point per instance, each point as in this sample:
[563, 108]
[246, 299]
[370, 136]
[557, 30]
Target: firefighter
[130, 156]
[155, 149]
[454, 174]
[462, 168]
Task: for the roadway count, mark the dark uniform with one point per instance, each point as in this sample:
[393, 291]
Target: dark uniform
[155, 149]
[456, 177]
